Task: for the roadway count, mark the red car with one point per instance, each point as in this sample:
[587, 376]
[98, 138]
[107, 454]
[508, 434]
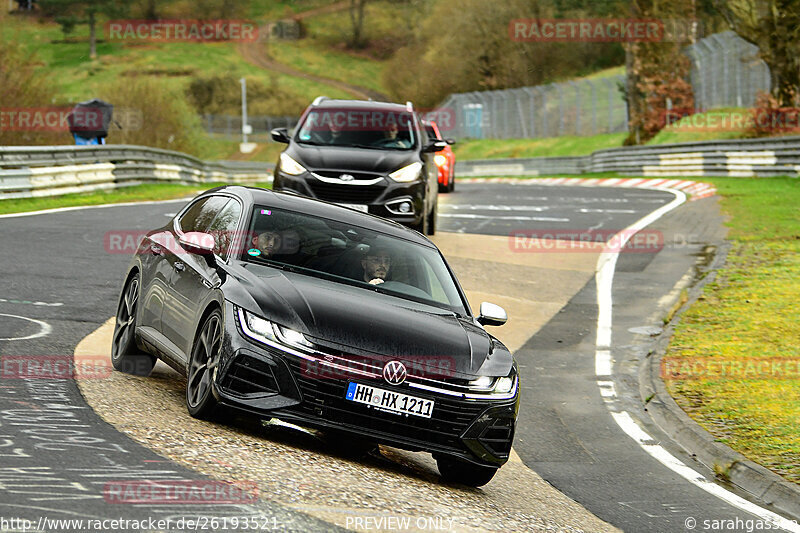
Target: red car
[445, 159]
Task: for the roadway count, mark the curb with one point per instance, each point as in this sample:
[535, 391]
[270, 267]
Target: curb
[695, 189]
[767, 486]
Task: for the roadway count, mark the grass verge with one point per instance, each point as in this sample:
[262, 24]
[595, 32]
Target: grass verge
[136, 193]
[738, 344]
[543, 147]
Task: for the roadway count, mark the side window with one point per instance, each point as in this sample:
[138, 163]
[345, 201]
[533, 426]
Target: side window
[224, 226]
[202, 213]
[431, 133]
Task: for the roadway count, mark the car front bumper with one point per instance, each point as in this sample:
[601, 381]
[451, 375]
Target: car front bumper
[267, 381]
[379, 197]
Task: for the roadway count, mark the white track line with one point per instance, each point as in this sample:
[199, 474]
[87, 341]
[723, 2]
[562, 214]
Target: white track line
[44, 328]
[604, 278]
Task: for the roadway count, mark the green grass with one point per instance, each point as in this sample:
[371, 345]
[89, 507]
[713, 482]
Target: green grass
[136, 193]
[78, 78]
[310, 56]
[727, 123]
[748, 315]
[549, 146]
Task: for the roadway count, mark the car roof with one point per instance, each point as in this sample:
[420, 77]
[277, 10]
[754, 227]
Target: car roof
[360, 104]
[303, 204]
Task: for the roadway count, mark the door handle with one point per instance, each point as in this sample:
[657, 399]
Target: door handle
[180, 267]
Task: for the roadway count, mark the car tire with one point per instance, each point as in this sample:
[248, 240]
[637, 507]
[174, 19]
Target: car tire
[200, 400]
[125, 354]
[457, 471]
[451, 185]
[431, 229]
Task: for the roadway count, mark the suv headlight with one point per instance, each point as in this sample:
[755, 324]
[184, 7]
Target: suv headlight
[439, 159]
[290, 166]
[407, 173]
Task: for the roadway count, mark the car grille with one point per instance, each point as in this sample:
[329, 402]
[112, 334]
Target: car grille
[249, 376]
[351, 194]
[324, 398]
[359, 176]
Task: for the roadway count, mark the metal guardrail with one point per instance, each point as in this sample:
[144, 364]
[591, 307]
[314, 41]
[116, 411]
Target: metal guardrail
[27, 171]
[773, 156]
[52, 170]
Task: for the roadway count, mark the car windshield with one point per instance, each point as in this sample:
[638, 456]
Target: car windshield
[350, 254]
[359, 128]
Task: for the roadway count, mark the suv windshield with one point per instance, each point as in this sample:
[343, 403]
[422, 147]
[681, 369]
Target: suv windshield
[359, 128]
[349, 254]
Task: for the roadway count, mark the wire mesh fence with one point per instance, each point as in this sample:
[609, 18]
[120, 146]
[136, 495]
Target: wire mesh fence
[727, 72]
[580, 108]
[229, 127]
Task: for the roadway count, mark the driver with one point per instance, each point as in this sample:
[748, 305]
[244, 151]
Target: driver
[390, 138]
[269, 242]
[376, 264]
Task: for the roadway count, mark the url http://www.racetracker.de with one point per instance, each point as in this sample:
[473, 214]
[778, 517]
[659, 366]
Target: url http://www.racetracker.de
[194, 523]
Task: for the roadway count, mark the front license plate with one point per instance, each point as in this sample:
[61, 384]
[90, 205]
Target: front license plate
[385, 400]
[357, 207]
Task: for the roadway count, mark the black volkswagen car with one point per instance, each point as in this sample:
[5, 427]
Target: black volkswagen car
[370, 156]
[289, 307]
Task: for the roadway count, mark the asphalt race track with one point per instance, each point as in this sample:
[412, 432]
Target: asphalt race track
[59, 283]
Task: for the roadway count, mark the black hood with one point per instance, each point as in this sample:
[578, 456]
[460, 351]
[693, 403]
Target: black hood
[365, 323]
[337, 158]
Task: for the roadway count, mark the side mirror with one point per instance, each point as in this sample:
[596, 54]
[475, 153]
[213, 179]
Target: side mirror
[435, 146]
[450, 141]
[280, 135]
[197, 242]
[492, 315]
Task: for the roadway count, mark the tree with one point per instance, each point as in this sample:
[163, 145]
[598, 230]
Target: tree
[357, 22]
[68, 13]
[657, 71]
[774, 27]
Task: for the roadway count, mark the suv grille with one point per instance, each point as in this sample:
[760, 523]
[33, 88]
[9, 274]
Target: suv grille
[353, 194]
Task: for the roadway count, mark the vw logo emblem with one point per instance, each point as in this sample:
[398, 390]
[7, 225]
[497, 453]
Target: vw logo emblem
[394, 372]
[347, 177]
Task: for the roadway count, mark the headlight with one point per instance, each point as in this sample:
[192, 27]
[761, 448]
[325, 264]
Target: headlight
[257, 327]
[406, 174]
[270, 333]
[492, 386]
[440, 160]
[294, 338]
[290, 166]
[504, 385]
[483, 382]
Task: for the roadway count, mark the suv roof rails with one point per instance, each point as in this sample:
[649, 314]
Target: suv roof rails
[319, 99]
